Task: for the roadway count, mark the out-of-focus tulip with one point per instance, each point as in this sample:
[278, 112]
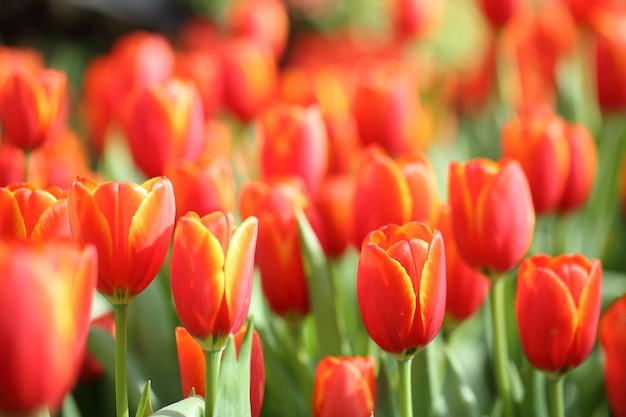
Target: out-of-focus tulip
[202, 186]
[265, 21]
[557, 306]
[278, 252]
[492, 213]
[333, 203]
[583, 165]
[191, 360]
[204, 70]
[499, 12]
[401, 287]
[12, 164]
[16, 59]
[250, 77]
[381, 194]
[130, 225]
[211, 275]
[293, 142]
[344, 386]
[32, 106]
[466, 288]
[91, 368]
[29, 212]
[422, 181]
[613, 342]
[387, 108]
[610, 65]
[537, 140]
[46, 293]
[163, 122]
[416, 18]
[587, 12]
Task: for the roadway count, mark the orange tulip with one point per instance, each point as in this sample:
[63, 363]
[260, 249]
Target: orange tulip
[613, 342]
[422, 181]
[609, 46]
[32, 106]
[344, 386]
[203, 68]
[381, 194]
[46, 293]
[537, 139]
[333, 203]
[558, 306]
[12, 164]
[583, 166]
[466, 288]
[401, 287]
[163, 122]
[492, 212]
[131, 227]
[191, 360]
[293, 141]
[211, 275]
[29, 212]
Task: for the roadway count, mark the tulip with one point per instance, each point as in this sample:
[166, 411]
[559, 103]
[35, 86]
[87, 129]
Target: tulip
[46, 293]
[12, 164]
[537, 139]
[344, 386]
[163, 122]
[29, 212]
[492, 213]
[583, 155]
[294, 142]
[466, 288]
[193, 367]
[557, 307]
[422, 181]
[32, 106]
[499, 12]
[333, 203]
[211, 275]
[417, 18]
[613, 342]
[381, 194]
[130, 225]
[610, 66]
[204, 70]
[401, 286]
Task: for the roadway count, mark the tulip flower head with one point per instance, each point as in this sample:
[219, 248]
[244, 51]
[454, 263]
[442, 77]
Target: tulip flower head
[558, 306]
[613, 342]
[401, 287]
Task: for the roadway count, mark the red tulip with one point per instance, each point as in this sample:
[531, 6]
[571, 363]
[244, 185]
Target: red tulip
[613, 342]
[416, 17]
[583, 155]
[130, 225]
[344, 386]
[333, 203]
[29, 212]
[203, 68]
[609, 50]
[293, 141]
[32, 106]
[211, 275]
[492, 213]
[466, 288]
[499, 12]
[46, 292]
[191, 360]
[401, 287]
[558, 306]
[537, 139]
[12, 164]
[422, 181]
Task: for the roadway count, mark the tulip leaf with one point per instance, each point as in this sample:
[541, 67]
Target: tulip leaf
[189, 407]
[70, 408]
[331, 339]
[464, 402]
[385, 389]
[145, 407]
[233, 392]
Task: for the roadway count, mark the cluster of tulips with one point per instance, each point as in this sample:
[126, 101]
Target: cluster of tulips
[245, 222]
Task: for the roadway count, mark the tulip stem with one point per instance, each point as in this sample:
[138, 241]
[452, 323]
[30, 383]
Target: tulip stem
[500, 348]
[406, 402]
[555, 392]
[213, 358]
[121, 383]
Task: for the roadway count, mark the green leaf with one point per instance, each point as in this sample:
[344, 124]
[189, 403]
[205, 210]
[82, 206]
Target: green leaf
[331, 339]
[386, 398]
[463, 400]
[70, 408]
[145, 407]
[189, 407]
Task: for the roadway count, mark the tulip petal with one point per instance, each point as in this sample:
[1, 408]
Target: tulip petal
[32, 204]
[386, 297]
[191, 363]
[54, 222]
[432, 292]
[12, 222]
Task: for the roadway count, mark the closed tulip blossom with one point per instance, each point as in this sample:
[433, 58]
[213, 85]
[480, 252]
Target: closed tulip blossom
[344, 386]
[46, 294]
[499, 12]
[583, 168]
[401, 287]
[557, 307]
[492, 213]
[211, 275]
[613, 342]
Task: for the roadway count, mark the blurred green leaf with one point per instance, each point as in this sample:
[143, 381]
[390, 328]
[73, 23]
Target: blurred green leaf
[189, 407]
[386, 388]
[70, 408]
[145, 407]
[462, 400]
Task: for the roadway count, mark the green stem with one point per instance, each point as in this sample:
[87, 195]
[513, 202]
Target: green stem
[500, 348]
[406, 402]
[121, 383]
[555, 392]
[213, 358]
